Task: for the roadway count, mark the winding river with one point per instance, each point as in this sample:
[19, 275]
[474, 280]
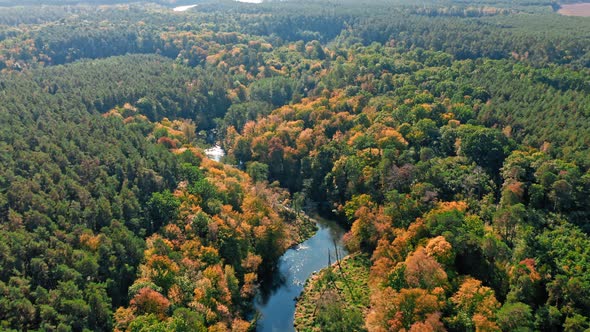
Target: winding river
[276, 299]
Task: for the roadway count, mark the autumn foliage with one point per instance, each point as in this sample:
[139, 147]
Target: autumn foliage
[227, 230]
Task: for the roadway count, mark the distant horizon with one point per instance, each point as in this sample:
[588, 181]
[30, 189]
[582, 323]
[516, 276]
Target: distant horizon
[181, 3]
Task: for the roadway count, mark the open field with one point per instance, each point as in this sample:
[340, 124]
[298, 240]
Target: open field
[576, 9]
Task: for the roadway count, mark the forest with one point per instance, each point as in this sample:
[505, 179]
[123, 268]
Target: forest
[450, 138]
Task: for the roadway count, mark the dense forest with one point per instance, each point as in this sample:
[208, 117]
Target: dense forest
[450, 138]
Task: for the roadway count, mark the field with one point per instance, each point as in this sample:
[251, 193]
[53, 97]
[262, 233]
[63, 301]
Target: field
[576, 9]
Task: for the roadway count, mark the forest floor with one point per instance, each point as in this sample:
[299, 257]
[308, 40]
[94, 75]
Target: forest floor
[343, 283]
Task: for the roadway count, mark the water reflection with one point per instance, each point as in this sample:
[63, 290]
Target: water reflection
[276, 299]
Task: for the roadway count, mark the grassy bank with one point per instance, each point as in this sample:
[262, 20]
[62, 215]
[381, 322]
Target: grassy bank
[302, 228]
[336, 298]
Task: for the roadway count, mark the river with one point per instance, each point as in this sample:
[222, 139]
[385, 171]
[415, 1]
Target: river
[215, 153]
[276, 299]
[187, 7]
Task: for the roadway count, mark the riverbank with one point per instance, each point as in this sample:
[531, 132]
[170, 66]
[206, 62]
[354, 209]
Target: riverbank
[337, 296]
[304, 228]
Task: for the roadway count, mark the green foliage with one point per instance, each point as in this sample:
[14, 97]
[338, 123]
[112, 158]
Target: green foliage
[334, 300]
[515, 317]
[333, 316]
[275, 90]
[388, 107]
[485, 147]
[567, 259]
[161, 208]
[257, 171]
[239, 114]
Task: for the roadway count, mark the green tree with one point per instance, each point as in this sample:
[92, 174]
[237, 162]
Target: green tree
[161, 208]
[515, 317]
[257, 171]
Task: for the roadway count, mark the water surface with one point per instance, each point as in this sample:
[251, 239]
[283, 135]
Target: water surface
[215, 153]
[185, 8]
[276, 300]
